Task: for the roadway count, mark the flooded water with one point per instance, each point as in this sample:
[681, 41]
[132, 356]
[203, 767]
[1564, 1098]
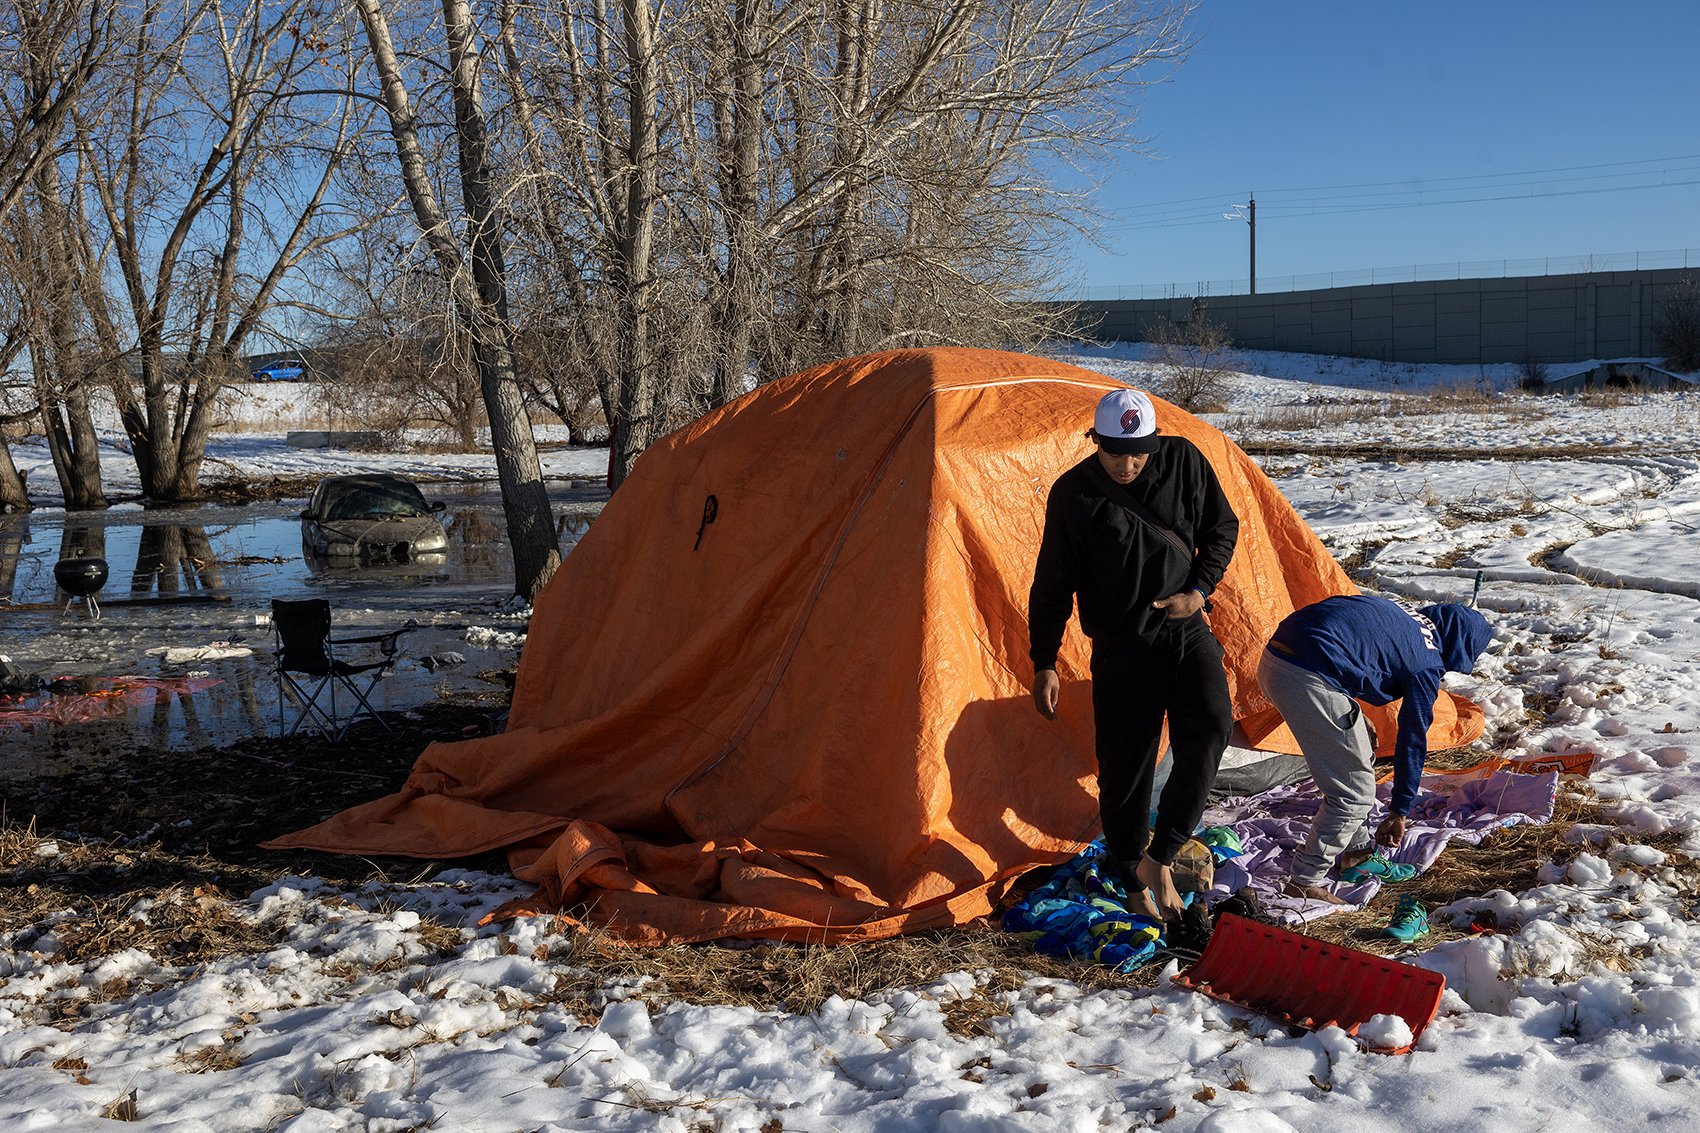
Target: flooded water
[189, 578]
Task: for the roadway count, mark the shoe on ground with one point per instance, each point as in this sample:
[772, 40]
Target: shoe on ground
[1244, 903]
[1191, 933]
[1378, 867]
[1409, 920]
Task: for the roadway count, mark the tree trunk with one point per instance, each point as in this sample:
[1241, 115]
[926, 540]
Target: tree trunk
[150, 434]
[193, 432]
[85, 541]
[60, 364]
[174, 559]
[69, 428]
[13, 537]
[741, 160]
[531, 525]
[478, 291]
[13, 496]
[636, 244]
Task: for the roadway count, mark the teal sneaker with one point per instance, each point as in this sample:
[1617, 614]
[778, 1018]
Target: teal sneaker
[1409, 920]
[1378, 867]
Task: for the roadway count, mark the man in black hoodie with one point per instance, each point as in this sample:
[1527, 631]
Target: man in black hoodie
[1141, 534]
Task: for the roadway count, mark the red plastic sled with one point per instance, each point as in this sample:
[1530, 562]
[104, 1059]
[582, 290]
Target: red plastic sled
[1570, 763]
[1310, 983]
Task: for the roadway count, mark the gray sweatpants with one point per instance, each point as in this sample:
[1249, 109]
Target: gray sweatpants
[1336, 743]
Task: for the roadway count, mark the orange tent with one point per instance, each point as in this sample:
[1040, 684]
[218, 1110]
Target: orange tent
[780, 688]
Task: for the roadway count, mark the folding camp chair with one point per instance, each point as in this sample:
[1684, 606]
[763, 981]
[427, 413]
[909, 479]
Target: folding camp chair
[308, 664]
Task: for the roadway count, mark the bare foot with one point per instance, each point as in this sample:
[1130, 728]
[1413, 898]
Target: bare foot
[1313, 892]
[1160, 879]
[1140, 902]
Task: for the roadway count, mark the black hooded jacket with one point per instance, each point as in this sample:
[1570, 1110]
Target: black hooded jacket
[1097, 550]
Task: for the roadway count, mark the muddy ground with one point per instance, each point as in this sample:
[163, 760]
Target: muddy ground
[147, 820]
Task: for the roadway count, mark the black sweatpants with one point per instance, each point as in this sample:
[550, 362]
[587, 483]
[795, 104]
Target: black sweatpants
[1133, 685]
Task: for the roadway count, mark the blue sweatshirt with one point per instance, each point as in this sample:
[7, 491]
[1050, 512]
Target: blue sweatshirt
[1378, 651]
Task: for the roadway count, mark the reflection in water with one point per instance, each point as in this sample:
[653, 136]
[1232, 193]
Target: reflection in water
[196, 721]
[174, 559]
[572, 528]
[253, 556]
[478, 537]
[81, 540]
[352, 568]
[13, 535]
[218, 568]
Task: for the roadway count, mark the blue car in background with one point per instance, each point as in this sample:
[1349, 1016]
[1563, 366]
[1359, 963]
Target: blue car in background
[279, 372]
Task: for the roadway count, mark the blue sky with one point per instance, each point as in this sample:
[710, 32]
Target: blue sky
[1330, 111]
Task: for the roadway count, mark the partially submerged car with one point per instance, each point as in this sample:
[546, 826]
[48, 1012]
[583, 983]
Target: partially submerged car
[373, 518]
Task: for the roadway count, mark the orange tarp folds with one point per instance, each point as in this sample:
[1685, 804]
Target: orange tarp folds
[810, 717]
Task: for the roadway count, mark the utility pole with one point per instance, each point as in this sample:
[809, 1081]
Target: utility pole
[1251, 220]
[1248, 213]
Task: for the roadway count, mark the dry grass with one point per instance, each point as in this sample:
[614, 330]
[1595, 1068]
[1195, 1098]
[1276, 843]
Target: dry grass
[1461, 398]
[1300, 418]
[209, 1060]
[120, 898]
[122, 1108]
[1507, 859]
[1407, 454]
[177, 927]
[800, 977]
[1451, 759]
[1609, 397]
[168, 897]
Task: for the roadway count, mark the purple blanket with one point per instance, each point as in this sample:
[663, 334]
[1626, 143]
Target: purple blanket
[1273, 825]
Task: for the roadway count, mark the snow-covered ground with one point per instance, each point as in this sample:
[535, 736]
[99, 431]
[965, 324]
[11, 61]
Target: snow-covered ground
[1583, 1013]
[255, 449]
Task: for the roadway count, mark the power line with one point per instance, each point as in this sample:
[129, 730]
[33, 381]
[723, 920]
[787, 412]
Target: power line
[1218, 197]
[1490, 176]
[1422, 190]
[1214, 216]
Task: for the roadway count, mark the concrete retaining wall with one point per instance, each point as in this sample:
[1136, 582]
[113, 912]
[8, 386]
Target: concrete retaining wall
[1548, 318]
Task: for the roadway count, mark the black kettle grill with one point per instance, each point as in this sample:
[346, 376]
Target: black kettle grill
[81, 578]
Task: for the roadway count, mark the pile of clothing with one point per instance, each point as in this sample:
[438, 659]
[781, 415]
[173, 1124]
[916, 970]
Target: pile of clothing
[1080, 912]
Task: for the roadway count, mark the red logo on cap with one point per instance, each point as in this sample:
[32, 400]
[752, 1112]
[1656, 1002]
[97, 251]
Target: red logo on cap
[1130, 421]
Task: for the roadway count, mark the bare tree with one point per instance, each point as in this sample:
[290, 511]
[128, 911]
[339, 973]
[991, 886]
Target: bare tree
[595, 89]
[775, 182]
[59, 359]
[1193, 355]
[13, 494]
[230, 93]
[1678, 329]
[395, 353]
[51, 52]
[473, 272]
[544, 355]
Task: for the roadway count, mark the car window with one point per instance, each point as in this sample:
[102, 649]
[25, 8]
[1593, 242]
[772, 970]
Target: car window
[371, 499]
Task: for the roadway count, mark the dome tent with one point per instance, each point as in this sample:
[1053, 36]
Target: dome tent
[780, 689]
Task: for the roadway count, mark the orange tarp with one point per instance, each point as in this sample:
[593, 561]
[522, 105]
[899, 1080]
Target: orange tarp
[810, 717]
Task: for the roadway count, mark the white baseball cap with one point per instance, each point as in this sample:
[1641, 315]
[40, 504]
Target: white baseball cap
[1125, 422]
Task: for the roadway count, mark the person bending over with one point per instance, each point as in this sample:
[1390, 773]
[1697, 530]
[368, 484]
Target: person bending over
[1321, 660]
